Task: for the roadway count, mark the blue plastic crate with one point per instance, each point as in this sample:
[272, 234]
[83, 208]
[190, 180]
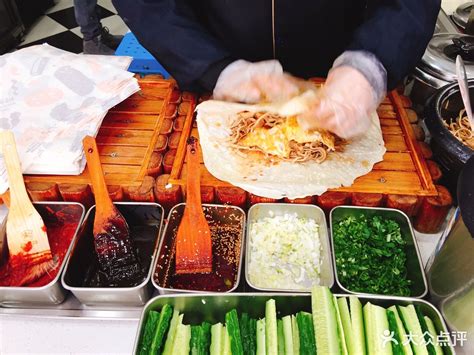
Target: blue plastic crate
[143, 62]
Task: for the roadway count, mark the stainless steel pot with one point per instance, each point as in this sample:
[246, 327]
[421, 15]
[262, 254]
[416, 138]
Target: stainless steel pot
[437, 68]
[462, 13]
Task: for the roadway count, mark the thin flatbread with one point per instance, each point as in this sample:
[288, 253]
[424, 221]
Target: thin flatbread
[255, 174]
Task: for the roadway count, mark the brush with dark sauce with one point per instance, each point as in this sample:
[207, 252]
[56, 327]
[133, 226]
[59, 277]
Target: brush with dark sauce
[113, 245]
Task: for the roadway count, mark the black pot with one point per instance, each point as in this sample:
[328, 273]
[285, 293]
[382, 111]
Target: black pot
[450, 153]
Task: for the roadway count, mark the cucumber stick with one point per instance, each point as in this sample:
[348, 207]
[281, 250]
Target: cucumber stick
[434, 334]
[271, 331]
[148, 332]
[306, 333]
[340, 329]
[161, 328]
[200, 339]
[324, 320]
[233, 328]
[175, 320]
[397, 344]
[248, 333]
[226, 350]
[296, 335]
[426, 333]
[357, 323]
[206, 337]
[182, 340]
[281, 337]
[288, 336]
[401, 332]
[376, 327]
[346, 323]
[216, 339]
[412, 325]
[261, 347]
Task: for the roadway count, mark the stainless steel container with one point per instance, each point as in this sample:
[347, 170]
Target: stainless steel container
[416, 274]
[462, 13]
[144, 220]
[437, 68]
[444, 24]
[52, 293]
[262, 210]
[212, 308]
[220, 214]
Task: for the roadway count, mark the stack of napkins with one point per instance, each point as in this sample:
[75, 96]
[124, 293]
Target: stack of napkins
[51, 99]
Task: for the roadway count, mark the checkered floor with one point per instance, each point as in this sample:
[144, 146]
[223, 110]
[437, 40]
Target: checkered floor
[58, 26]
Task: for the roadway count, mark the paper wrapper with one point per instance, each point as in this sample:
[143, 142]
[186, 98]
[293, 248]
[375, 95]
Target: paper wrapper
[254, 174]
[51, 99]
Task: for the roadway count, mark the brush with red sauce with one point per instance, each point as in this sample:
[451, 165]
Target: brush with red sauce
[61, 222]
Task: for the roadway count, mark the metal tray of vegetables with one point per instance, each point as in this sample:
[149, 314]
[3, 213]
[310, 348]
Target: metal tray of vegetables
[277, 323]
[375, 252]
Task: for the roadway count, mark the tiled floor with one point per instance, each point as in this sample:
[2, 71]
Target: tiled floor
[58, 26]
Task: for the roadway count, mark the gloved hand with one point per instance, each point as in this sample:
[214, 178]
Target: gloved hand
[243, 81]
[345, 103]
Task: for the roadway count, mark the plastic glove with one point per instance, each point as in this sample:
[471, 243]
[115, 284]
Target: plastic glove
[345, 103]
[243, 81]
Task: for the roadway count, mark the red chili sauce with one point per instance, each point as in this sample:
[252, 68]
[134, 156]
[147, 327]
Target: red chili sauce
[61, 222]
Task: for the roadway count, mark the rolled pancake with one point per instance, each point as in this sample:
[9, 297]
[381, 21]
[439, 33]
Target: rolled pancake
[261, 177]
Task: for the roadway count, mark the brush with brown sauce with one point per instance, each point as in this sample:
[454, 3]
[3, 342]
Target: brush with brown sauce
[193, 241]
[226, 225]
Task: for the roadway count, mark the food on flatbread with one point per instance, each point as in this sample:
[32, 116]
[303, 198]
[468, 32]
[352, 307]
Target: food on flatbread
[281, 138]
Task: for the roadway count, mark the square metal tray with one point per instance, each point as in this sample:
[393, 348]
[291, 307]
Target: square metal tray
[262, 210]
[415, 270]
[137, 215]
[213, 307]
[228, 215]
[53, 293]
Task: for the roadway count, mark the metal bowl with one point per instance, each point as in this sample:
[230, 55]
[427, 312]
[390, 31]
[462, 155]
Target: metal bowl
[416, 274]
[262, 210]
[144, 220]
[53, 292]
[213, 307]
[223, 215]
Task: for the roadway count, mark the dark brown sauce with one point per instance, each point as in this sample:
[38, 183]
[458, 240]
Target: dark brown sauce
[131, 269]
[116, 253]
[226, 247]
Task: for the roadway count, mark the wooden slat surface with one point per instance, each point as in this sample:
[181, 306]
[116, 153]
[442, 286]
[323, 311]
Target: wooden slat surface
[402, 171]
[127, 137]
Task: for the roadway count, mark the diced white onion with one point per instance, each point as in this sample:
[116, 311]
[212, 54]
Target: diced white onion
[285, 252]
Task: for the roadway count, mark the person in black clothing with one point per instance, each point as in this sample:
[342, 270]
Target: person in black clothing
[239, 49]
[96, 38]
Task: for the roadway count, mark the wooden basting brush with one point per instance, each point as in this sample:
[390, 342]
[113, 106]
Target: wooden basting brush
[193, 241]
[112, 242]
[29, 252]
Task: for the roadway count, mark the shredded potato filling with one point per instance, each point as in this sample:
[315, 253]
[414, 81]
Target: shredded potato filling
[279, 137]
[461, 129]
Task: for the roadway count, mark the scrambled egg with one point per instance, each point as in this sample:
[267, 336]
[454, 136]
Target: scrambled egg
[276, 140]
